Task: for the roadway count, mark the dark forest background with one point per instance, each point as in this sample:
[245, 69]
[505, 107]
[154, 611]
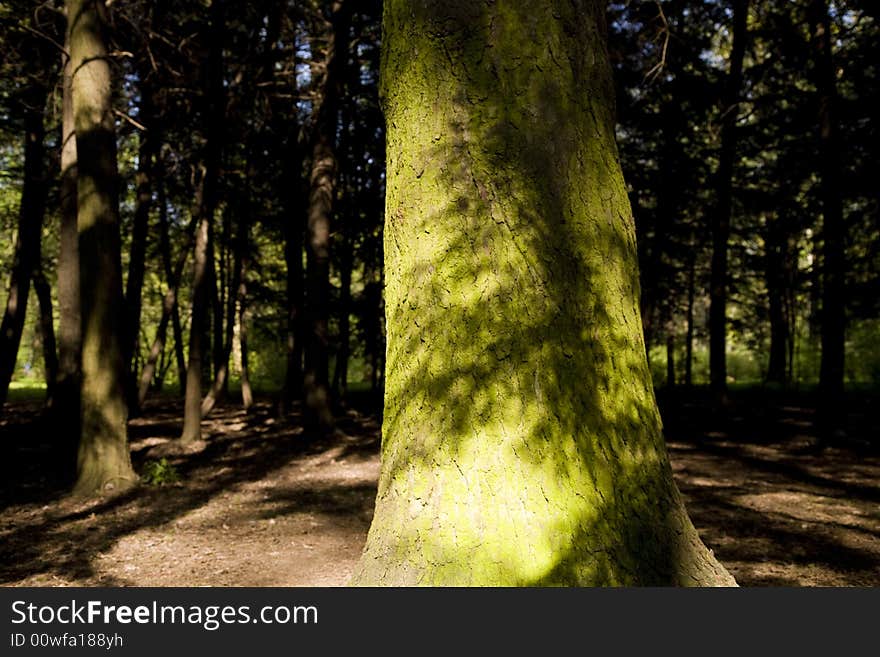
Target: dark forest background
[747, 134]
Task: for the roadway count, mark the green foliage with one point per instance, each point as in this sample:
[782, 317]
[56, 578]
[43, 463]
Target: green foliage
[160, 473]
[863, 342]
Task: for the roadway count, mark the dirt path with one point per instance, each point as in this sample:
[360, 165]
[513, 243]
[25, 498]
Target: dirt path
[257, 504]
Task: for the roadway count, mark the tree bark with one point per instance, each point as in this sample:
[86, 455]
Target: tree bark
[27, 245]
[521, 439]
[103, 461]
[723, 205]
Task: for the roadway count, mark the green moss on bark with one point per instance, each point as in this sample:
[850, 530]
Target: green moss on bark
[521, 440]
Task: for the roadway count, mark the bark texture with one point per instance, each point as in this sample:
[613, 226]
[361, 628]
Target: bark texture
[103, 460]
[521, 440]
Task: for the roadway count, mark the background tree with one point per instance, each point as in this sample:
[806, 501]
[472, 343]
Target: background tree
[30, 95]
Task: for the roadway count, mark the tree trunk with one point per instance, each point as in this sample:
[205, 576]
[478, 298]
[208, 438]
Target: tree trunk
[247, 395]
[165, 247]
[689, 336]
[216, 293]
[192, 405]
[833, 315]
[521, 440]
[169, 305]
[670, 359]
[293, 252]
[204, 214]
[775, 266]
[67, 391]
[47, 333]
[340, 372]
[103, 461]
[149, 144]
[321, 192]
[723, 205]
[219, 387]
[27, 245]
[293, 259]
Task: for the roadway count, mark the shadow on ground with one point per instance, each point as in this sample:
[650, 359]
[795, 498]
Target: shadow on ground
[779, 508]
[253, 486]
[260, 503]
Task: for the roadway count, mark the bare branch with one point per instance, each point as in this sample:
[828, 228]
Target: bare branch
[663, 33]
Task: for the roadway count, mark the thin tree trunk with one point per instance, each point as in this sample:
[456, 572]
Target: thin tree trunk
[204, 213]
[670, 359]
[247, 394]
[221, 378]
[775, 265]
[103, 460]
[321, 192]
[689, 336]
[169, 304]
[293, 258]
[165, 247]
[216, 293]
[340, 372]
[192, 415]
[723, 205]
[833, 315]
[47, 333]
[27, 244]
[149, 144]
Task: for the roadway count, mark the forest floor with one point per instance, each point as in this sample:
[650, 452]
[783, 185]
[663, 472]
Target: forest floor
[259, 504]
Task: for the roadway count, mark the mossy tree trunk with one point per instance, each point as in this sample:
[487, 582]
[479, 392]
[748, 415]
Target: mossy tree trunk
[521, 439]
[103, 460]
